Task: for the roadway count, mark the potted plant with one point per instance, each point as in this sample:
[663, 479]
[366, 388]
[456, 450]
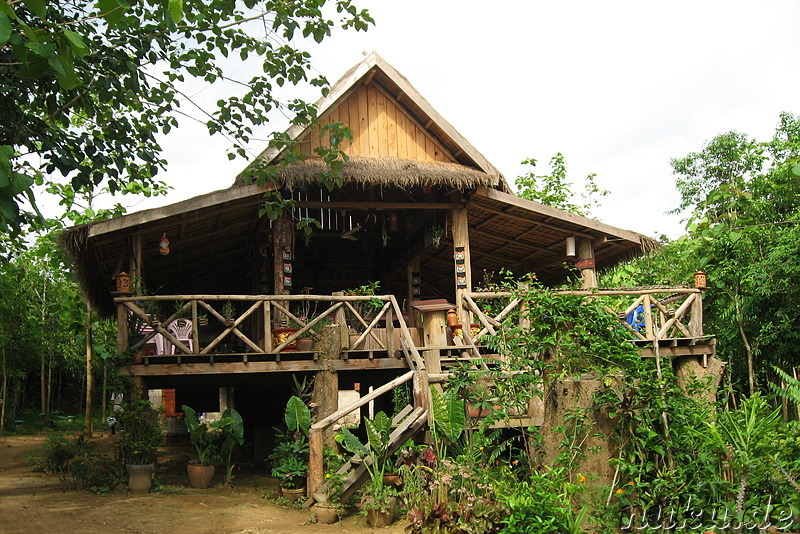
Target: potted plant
[284, 332]
[139, 442]
[380, 499]
[204, 439]
[328, 506]
[290, 457]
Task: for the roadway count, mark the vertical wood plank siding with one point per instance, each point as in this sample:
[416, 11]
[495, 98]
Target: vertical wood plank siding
[380, 126]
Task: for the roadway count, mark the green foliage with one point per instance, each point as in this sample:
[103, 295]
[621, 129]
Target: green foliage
[201, 436]
[297, 415]
[554, 190]
[141, 434]
[92, 472]
[375, 455]
[89, 86]
[57, 451]
[449, 420]
[232, 429]
[539, 506]
[77, 465]
[289, 459]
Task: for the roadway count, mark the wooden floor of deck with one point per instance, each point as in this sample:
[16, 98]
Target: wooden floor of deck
[358, 360]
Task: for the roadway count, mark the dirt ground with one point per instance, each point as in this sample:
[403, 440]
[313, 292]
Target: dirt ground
[38, 503]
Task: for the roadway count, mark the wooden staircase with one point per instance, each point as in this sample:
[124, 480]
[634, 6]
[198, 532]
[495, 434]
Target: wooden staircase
[355, 471]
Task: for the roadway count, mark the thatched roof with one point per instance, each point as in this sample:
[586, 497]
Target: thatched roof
[388, 172]
[75, 241]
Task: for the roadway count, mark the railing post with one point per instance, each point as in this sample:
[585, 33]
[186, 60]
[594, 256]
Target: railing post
[650, 331]
[316, 466]
[696, 321]
[122, 328]
[195, 329]
[341, 319]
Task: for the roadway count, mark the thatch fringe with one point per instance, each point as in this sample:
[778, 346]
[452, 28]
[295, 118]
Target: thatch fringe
[387, 172]
[94, 289]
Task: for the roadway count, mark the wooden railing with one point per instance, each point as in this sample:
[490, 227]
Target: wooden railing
[250, 319]
[653, 313]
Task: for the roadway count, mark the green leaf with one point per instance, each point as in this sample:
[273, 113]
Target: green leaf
[5, 28]
[37, 7]
[77, 44]
[176, 10]
[298, 416]
[796, 169]
[111, 10]
[352, 443]
[8, 209]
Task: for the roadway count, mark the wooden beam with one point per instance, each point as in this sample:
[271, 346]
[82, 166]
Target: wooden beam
[225, 368]
[377, 205]
[196, 203]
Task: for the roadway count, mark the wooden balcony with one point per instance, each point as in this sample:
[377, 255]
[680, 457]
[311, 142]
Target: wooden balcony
[232, 334]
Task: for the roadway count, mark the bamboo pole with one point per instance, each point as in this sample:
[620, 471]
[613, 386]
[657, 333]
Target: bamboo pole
[88, 426]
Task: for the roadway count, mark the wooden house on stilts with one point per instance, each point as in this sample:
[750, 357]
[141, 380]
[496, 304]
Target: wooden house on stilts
[420, 211]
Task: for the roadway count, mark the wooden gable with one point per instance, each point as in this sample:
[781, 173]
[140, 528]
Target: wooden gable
[381, 126]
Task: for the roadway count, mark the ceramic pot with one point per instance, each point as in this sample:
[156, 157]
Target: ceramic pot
[140, 477]
[392, 479]
[279, 335]
[293, 494]
[327, 514]
[200, 475]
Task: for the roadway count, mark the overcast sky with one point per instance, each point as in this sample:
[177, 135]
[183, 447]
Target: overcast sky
[619, 87]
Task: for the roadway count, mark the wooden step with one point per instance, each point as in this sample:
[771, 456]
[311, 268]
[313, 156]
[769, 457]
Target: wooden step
[405, 431]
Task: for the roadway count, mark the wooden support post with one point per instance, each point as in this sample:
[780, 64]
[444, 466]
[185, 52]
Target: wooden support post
[586, 263]
[316, 466]
[413, 315]
[282, 241]
[434, 327]
[88, 426]
[461, 241]
[433, 364]
[391, 348]
[326, 381]
[418, 385]
[122, 329]
[135, 267]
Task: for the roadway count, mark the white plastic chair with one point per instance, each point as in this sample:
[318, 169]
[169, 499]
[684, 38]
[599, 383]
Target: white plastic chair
[157, 341]
[182, 330]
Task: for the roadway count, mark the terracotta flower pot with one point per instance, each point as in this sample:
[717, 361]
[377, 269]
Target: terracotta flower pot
[200, 475]
[140, 477]
[392, 479]
[293, 494]
[327, 514]
[477, 412]
[381, 518]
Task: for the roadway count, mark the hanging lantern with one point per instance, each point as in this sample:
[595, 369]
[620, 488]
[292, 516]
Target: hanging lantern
[123, 282]
[700, 280]
[570, 242]
[163, 245]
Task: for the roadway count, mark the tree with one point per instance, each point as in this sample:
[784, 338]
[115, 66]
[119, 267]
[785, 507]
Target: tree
[554, 190]
[87, 86]
[744, 197]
